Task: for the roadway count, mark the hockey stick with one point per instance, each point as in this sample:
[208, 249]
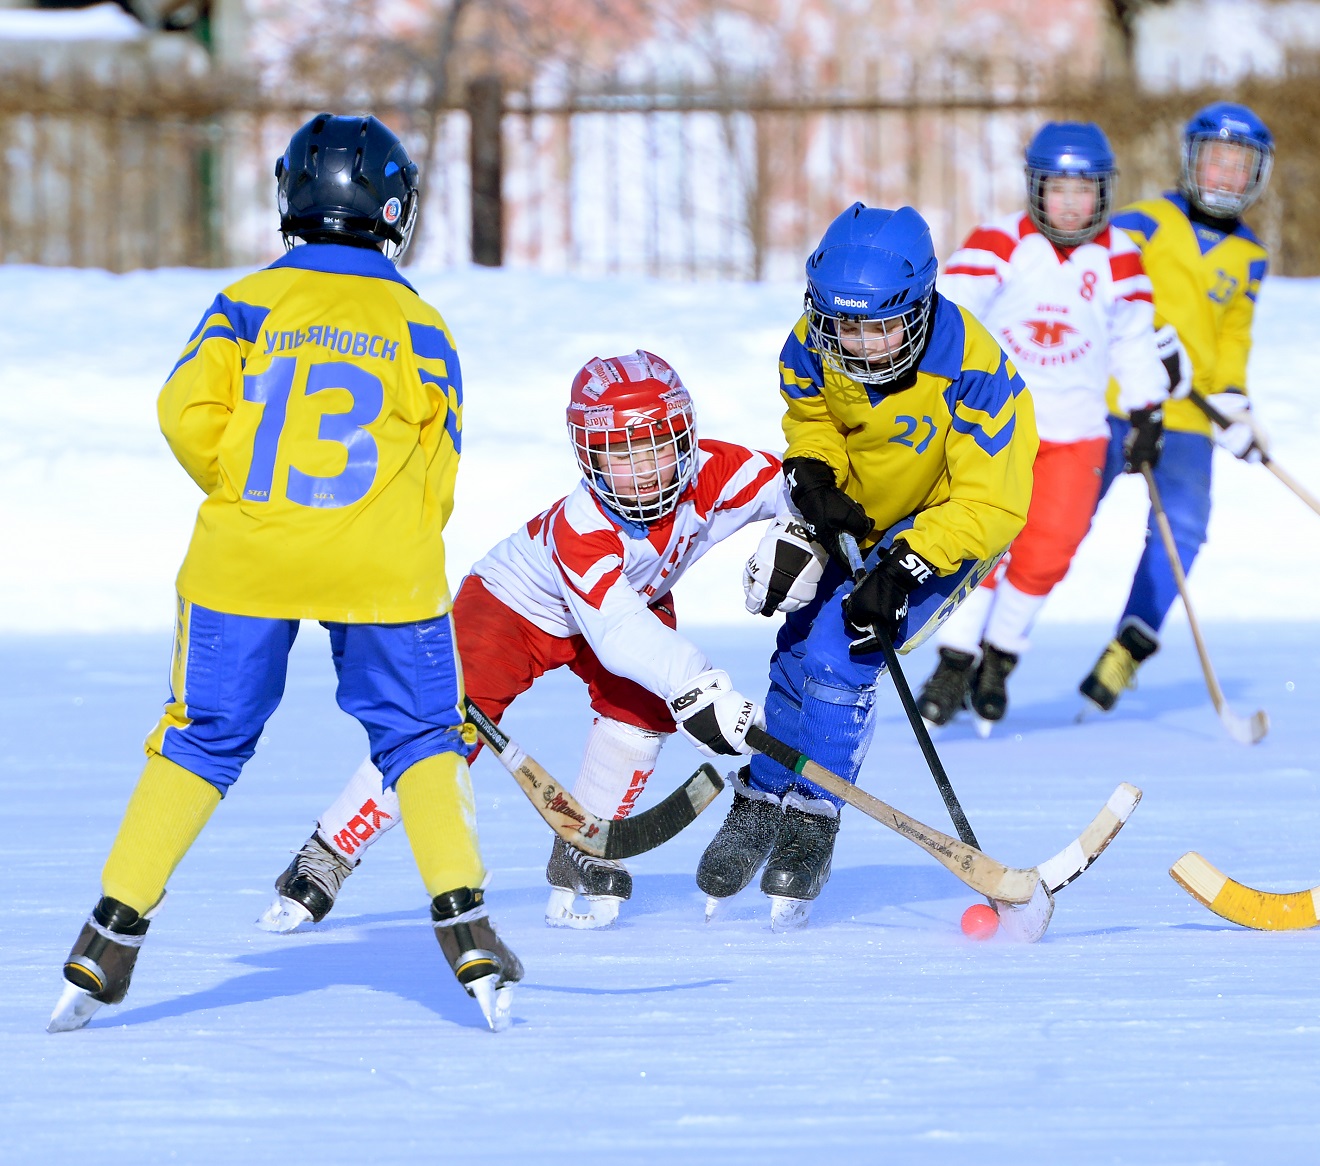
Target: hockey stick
[1244, 731]
[982, 873]
[1232, 900]
[1268, 462]
[1057, 872]
[578, 826]
[851, 552]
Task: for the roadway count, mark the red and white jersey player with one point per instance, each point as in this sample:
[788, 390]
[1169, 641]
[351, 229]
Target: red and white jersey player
[586, 584]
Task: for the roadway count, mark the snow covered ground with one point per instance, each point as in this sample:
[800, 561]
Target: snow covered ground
[1141, 1030]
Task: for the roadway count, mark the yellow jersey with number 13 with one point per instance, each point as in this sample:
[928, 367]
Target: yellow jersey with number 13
[319, 407]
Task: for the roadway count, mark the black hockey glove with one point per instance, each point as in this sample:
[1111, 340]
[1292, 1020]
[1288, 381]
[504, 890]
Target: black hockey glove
[825, 508]
[881, 599]
[1145, 440]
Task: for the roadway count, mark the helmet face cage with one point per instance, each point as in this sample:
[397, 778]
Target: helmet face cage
[346, 179]
[869, 349]
[1222, 201]
[1103, 184]
[634, 434]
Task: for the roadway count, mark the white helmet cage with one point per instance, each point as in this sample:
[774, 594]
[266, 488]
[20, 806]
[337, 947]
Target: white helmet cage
[632, 425]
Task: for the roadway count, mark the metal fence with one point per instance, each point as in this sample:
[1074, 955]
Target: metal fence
[670, 183]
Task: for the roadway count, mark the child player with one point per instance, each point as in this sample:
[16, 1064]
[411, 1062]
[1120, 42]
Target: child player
[1206, 266]
[317, 405]
[586, 584]
[1067, 298]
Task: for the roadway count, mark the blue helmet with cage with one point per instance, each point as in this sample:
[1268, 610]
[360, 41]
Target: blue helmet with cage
[1223, 183]
[870, 292]
[347, 180]
[1070, 149]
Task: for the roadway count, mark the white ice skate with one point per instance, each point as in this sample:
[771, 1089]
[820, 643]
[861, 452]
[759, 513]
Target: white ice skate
[602, 910]
[789, 914]
[496, 1002]
[284, 915]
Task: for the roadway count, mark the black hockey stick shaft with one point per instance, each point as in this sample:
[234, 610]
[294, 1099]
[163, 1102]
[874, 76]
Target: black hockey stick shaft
[852, 553]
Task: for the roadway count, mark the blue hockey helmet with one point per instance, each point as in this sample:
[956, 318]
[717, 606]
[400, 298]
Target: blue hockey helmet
[1070, 149]
[870, 291]
[347, 179]
[1225, 187]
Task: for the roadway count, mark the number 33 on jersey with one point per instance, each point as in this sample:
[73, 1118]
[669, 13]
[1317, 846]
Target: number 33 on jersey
[323, 418]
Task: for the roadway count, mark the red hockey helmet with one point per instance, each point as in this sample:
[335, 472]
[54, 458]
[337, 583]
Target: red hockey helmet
[634, 434]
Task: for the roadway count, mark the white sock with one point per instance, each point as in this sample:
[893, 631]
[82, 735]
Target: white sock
[1011, 620]
[617, 761]
[360, 814]
[963, 630]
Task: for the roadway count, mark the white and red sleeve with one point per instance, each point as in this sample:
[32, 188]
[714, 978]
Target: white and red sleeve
[627, 637]
[1133, 359]
[979, 268]
[736, 486]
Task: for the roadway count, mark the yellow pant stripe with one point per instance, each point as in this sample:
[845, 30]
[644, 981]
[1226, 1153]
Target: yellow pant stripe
[176, 712]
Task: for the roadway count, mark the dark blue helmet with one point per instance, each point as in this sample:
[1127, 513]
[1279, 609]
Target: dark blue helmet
[1070, 149]
[1224, 184]
[870, 290]
[347, 179]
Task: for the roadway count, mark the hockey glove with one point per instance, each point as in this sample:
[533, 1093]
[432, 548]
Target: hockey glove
[1145, 439]
[1176, 363]
[881, 599]
[783, 573]
[1243, 437]
[714, 716]
[825, 508]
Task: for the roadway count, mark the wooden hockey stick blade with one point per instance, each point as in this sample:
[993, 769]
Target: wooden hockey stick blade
[1073, 859]
[1231, 900]
[577, 825]
[978, 870]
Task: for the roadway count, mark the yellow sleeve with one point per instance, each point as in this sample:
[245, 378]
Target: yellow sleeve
[810, 428]
[201, 395]
[1230, 373]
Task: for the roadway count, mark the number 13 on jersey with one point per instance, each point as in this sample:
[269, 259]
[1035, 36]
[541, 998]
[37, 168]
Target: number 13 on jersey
[272, 390]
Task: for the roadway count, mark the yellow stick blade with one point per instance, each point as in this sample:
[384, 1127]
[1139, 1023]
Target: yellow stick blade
[1231, 900]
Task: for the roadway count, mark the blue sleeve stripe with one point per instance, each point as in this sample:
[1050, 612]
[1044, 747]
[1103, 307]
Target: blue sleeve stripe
[987, 392]
[1256, 270]
[451, 428]
[1143, 224]
[245, 319]
[430, 343]
[215, 332]
[797, 363]
[444, 384]
[991, 445]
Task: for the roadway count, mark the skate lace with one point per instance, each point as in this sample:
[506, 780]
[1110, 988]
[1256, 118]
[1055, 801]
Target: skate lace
[589, 863]
[995, 667]
[1116, 669]
[324, 867]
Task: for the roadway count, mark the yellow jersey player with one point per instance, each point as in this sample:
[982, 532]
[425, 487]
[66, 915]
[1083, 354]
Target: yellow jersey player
[1206, 266]
[909, 429]
[318, 405]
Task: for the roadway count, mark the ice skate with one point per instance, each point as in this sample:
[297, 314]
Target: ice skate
[945, 691]
[603, 883]
[100, 963]
[989, 691]
[480, 960]
[307, 889]
[741, 844]
[1116, 670]
[799, 866]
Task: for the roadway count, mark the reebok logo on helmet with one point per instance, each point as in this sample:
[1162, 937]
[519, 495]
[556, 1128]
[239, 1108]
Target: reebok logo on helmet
[849, 302]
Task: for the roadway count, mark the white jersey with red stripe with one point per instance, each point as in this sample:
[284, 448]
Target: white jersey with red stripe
[577, 568]
[1068, 318]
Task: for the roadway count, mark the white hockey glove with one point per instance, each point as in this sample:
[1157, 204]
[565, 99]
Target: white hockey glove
[714, 716]
[1176, 363]
[783, 573]
[1243, 437]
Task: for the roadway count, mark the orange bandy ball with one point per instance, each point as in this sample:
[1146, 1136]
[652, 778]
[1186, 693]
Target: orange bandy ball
[979, 921]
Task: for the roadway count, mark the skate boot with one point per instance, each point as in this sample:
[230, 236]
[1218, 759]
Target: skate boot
[308, 887]
[800, 864]
[100, 964]
[602, 882]
[1116, 669]
[989, 694]
[485, 967]
[741, 844]
[946, 691]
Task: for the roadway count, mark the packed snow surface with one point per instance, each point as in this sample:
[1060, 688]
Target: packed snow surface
[1141, 1030]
